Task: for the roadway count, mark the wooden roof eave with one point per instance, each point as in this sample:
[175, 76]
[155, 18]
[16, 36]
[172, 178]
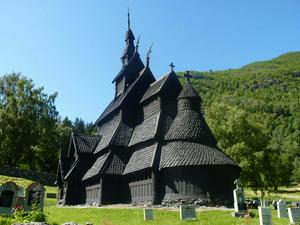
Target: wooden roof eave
[71, 169]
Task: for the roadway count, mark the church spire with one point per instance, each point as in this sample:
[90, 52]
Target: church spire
[129, 48]
[128, 19]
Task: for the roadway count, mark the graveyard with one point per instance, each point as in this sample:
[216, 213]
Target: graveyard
[128, 214]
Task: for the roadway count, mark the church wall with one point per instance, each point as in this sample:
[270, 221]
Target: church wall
[141, 188]
[75, 193]
[207, 184]
[93, 193]
[115, 190]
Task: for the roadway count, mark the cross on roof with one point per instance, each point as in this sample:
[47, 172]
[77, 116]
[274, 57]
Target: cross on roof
[172, 66]
[187, 76]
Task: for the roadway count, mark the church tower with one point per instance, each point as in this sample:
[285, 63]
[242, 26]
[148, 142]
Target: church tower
[131, 64]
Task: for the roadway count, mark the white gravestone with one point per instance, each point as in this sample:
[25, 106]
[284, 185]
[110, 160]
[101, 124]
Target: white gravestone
[265, 217]
[239, 200]
[187, 212]
[281, 209]
[148, 214]
[294, 215]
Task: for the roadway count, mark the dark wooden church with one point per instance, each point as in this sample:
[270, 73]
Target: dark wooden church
[152, 145]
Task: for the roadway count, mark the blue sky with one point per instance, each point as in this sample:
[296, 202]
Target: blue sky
[74, 47]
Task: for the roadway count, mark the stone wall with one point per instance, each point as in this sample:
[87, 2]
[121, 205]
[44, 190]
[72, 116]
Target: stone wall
[43, 178]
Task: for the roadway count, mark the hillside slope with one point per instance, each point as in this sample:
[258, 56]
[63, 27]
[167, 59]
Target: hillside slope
[267, 93]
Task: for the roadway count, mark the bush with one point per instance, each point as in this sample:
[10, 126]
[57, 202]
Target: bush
[21, 216]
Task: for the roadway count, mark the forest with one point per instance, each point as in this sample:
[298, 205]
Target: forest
[253, 111]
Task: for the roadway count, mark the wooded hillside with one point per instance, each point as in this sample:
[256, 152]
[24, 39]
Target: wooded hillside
[254, 112]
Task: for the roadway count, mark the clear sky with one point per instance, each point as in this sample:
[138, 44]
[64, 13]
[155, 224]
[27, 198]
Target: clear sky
[73, 47]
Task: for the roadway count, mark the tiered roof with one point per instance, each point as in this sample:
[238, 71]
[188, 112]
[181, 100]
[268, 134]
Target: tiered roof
[189, 139]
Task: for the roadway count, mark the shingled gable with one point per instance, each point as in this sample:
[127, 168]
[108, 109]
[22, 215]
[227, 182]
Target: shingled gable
[141, 159]
[148, 128]
[96, 167]
[161, 85]
[85, 143]
[84, 146]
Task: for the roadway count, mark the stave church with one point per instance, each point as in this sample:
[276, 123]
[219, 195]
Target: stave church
[152, 145]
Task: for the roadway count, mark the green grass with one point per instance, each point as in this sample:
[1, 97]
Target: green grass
[105, 216]
[109, 216]
[284, 193]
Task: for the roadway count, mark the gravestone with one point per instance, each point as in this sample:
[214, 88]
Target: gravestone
[274, 204]
[265, 217]
[281, 209]
[148, 214]
[240, 206]
[294, 215]
[187, 212]
[34, 196]
[8, 197]
[20, 201]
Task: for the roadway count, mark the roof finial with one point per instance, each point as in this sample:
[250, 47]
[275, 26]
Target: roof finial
[187, 76]
[172, 66]
[137, 43]
[148, 55]
[128, 15]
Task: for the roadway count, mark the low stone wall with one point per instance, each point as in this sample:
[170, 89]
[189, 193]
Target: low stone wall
[41, 177]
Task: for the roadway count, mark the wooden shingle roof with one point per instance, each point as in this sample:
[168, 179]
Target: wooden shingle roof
[116, 164]
[188, 92]
[145, 130]
[135, 65]
[117, 102]
[107, 132]
[141, 159]
[123, 135]
[79, 168]
[180, 153]
[85, 143]
[154, 88]
[96, 167]
[190, 125]
[159, 85]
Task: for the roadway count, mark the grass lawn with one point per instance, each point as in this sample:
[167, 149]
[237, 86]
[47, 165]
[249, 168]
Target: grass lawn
[285, 193]
[105, 216]
[118, 216]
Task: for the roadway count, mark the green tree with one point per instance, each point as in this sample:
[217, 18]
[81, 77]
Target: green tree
[243, 141]
[28, 116]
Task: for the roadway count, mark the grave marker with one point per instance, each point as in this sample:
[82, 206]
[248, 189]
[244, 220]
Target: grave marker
[34, 195]
[294, 215]
[187, 212]
[8, 197]
[265, 217]
[148, 214]
[240, 205]
[281, 209]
